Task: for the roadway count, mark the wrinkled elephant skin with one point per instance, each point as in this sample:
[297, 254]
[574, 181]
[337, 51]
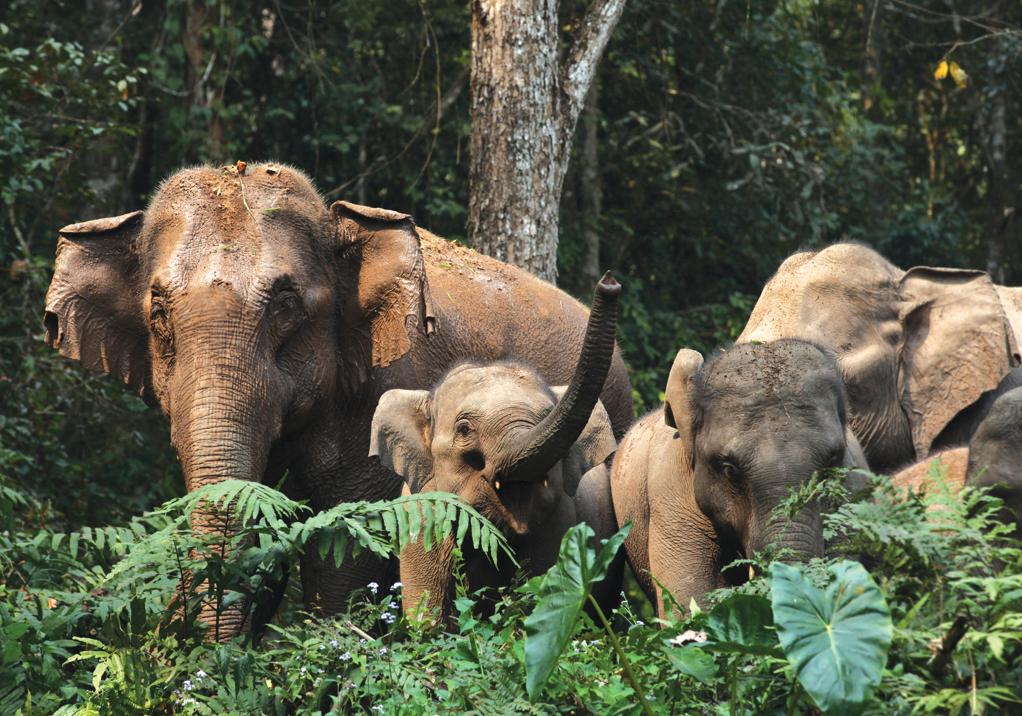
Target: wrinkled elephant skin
[923, 352]
[532, 459]
[700, 479]
[266, 326]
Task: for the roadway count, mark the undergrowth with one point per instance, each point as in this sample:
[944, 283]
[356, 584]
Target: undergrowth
[934, 626]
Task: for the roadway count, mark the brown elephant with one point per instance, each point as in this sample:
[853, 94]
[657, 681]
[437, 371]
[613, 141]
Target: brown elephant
[699, 480]
[266, 326]
[532, 459]
[992, 459]
[923, 352]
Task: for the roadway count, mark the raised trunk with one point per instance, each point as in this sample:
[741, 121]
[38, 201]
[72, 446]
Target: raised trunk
[547, 443]
[524, 108]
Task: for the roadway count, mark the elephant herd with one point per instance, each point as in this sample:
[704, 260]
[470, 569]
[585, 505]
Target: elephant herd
[364, 357]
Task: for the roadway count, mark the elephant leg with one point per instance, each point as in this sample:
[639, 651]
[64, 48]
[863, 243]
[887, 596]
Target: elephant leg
[327, 588]
[684, 558]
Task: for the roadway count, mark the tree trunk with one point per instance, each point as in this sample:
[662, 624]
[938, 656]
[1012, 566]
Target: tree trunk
[1001, 212]
[525, 103]
[590, 192]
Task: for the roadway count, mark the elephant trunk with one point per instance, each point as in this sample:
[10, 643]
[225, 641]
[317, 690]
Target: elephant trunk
[220, 429]
[547, 443]
[802, 534]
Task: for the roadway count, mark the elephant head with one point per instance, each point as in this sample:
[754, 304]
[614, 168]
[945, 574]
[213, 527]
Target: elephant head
[915, 347]
[503, 440]
[995, 454]
[756, 421]
[241, 305]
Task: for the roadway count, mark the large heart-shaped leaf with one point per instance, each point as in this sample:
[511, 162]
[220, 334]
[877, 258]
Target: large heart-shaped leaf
[562, 593]
[742, 623]
[836, 640]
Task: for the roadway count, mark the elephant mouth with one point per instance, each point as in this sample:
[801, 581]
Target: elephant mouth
[520, 499]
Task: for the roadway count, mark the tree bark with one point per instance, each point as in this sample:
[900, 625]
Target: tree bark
[1001, 212]
[525, 103]
[590, 192]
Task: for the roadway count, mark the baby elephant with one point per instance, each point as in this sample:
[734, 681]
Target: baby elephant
[533, 459]
[993, 458]
[700, 478]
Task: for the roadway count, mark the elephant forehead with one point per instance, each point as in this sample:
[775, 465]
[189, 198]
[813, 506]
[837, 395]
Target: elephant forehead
[208, 227]
[832, 296]
[484, 391]
[777, 367]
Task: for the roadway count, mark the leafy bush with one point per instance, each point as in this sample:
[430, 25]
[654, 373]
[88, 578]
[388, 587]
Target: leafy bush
[933, 627]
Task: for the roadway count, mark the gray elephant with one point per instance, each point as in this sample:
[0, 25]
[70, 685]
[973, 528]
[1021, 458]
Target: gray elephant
[700, 479]
[995, 455]
[992, 459]
[924, 352]
[532, 459]
[267, 325]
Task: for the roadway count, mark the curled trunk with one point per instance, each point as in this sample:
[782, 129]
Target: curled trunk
[547, 443]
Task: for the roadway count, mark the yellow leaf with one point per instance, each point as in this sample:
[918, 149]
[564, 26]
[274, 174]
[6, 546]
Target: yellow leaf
[958, 75]
[941, 71]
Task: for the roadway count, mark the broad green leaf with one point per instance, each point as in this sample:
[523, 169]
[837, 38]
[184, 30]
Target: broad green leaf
[742, 623]
[562, 593]
[836, 640]
[693, 661]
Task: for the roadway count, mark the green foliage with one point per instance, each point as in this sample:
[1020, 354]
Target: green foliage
[86, 630]
[562, 593]
[837, 640]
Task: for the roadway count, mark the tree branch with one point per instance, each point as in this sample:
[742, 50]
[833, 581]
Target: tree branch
[596, 28]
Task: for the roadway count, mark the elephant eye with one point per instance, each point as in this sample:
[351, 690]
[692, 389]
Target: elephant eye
[729, 471]
[159, 320]
[463, 428]
[287, 311]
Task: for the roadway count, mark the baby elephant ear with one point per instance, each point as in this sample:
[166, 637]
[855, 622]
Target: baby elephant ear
[593, 447]
[392, 287]
[678, 395]
[400, 435]
[94, 303]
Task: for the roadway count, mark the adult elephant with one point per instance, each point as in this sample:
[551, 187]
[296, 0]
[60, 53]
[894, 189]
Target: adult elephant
[992, 459]
[267, 325]
[923, 352]
[532, 458]
[700, 480]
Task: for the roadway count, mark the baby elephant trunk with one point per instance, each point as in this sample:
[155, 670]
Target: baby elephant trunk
[549, 441]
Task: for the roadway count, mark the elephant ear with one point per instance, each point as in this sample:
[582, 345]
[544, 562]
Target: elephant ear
[679, 409]
[392, 287]
[957, 344]
[94, 303]
[593, 446]
[400, 435]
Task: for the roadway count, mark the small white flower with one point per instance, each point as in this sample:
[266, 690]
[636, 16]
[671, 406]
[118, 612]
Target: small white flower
[396, 586]
[639, 622]
[378, 709]
[200, 674]
[394, 605]
[302, 671]
[322, 647]
[346, 656]
[333, 643]
[388, 617]
[187, 685]
[687, 637]
[361, 641]
[383, 651]
[373, 587]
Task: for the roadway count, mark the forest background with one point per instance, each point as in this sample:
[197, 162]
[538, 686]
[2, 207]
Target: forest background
[721, 137]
